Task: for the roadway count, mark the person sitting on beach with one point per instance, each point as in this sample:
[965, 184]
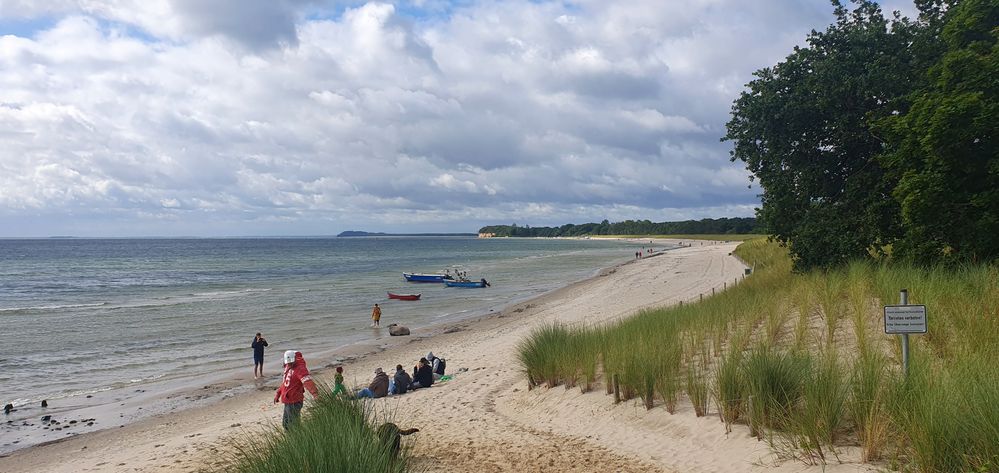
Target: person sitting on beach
[378, 387]
[423, 375]
[401, 381]
[292, 389]
[437, 365]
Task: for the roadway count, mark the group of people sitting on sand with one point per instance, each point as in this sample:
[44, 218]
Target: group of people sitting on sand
[297, 380]
[426, 371]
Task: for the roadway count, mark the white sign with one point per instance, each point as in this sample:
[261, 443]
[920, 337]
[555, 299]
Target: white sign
[905, 319]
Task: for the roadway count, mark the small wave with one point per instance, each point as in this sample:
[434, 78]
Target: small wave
[53, 307]
[166, 301]
[230, 293]
[27, 401]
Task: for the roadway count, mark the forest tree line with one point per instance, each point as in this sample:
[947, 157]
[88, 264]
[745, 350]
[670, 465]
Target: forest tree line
[708, 226]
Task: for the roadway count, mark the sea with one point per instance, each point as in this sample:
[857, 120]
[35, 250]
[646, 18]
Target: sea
[84, 316]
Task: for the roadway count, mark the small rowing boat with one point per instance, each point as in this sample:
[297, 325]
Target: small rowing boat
[404, 297]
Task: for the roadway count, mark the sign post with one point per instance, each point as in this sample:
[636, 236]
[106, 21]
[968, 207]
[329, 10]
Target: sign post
[904, 319]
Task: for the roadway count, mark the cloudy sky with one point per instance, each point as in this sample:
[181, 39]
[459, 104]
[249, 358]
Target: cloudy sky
[310, 117]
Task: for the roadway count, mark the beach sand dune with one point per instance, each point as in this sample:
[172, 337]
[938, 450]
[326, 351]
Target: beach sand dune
[485, 419]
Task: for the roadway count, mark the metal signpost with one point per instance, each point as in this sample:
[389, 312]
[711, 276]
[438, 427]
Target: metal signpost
[904, 319]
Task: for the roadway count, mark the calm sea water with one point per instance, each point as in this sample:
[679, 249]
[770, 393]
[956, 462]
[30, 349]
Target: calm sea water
[86, 315]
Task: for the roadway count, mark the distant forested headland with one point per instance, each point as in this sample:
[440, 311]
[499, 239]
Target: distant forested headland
[708, 226]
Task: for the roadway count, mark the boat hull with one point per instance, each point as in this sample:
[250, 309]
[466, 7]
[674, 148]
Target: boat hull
[414, 277]
[465, 284]
[404, 297]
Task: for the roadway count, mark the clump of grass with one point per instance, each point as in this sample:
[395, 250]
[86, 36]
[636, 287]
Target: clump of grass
[869, 387]
[668, 382]
[830, 290]
[335, 434]
[823, 412]
[696, 385]
[775, 380]
[730, 389]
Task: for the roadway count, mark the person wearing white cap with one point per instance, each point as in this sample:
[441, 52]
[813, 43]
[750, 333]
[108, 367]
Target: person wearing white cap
[378, 387]
[292, 389]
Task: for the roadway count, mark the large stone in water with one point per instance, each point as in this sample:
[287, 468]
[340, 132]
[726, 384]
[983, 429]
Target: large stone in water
[398, 330]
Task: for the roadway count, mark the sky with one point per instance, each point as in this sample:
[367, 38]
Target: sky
[310, 117]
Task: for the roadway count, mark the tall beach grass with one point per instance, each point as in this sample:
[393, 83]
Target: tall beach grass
[803, 360]
[334, 434]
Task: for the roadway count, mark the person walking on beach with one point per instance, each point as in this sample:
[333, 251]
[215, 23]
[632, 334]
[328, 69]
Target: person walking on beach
[338, 382]
[376, 315]
[258, 345]
[292, 390]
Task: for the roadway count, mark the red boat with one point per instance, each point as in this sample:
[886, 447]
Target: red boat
[404, 297]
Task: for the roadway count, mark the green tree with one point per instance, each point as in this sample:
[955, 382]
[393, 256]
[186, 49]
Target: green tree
[947, 156]
[803, 128]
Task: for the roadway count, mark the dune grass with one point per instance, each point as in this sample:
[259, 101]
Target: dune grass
[803, 360]
[335, 434]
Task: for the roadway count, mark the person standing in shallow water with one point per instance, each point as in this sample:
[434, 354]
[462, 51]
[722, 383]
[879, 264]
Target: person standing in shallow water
[258, 345]
[376, 315]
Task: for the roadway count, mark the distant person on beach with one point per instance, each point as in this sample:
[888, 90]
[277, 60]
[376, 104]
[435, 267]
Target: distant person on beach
[401, 381]
[376, 315]
[258, 345]
[338, 387]
[423, 375]
[292, 389]
[378, 387]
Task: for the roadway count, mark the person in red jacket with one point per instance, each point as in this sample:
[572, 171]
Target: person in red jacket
[292, 389]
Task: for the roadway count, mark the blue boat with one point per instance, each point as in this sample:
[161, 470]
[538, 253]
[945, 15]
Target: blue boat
[417, 277]
[465, 283]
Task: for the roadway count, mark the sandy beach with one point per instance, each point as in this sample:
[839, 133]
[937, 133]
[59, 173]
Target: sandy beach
[485, 419]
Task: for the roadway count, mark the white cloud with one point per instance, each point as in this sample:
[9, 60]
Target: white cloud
[253, 117]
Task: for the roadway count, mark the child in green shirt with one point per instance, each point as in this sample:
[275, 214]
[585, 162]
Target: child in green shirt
[338, 382]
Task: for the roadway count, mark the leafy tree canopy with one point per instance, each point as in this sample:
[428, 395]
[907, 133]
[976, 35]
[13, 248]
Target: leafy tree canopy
[832, 131]
[946, 148]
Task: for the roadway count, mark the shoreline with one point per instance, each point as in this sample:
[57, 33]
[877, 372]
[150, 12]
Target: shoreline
[94, 411]
[192, 437]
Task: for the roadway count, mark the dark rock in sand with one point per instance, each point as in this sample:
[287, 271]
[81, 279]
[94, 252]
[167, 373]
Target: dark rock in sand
[46, 418]
[398, 330]
[8, 408]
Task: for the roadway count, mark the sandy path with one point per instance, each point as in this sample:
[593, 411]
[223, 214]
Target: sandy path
[484, 420]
